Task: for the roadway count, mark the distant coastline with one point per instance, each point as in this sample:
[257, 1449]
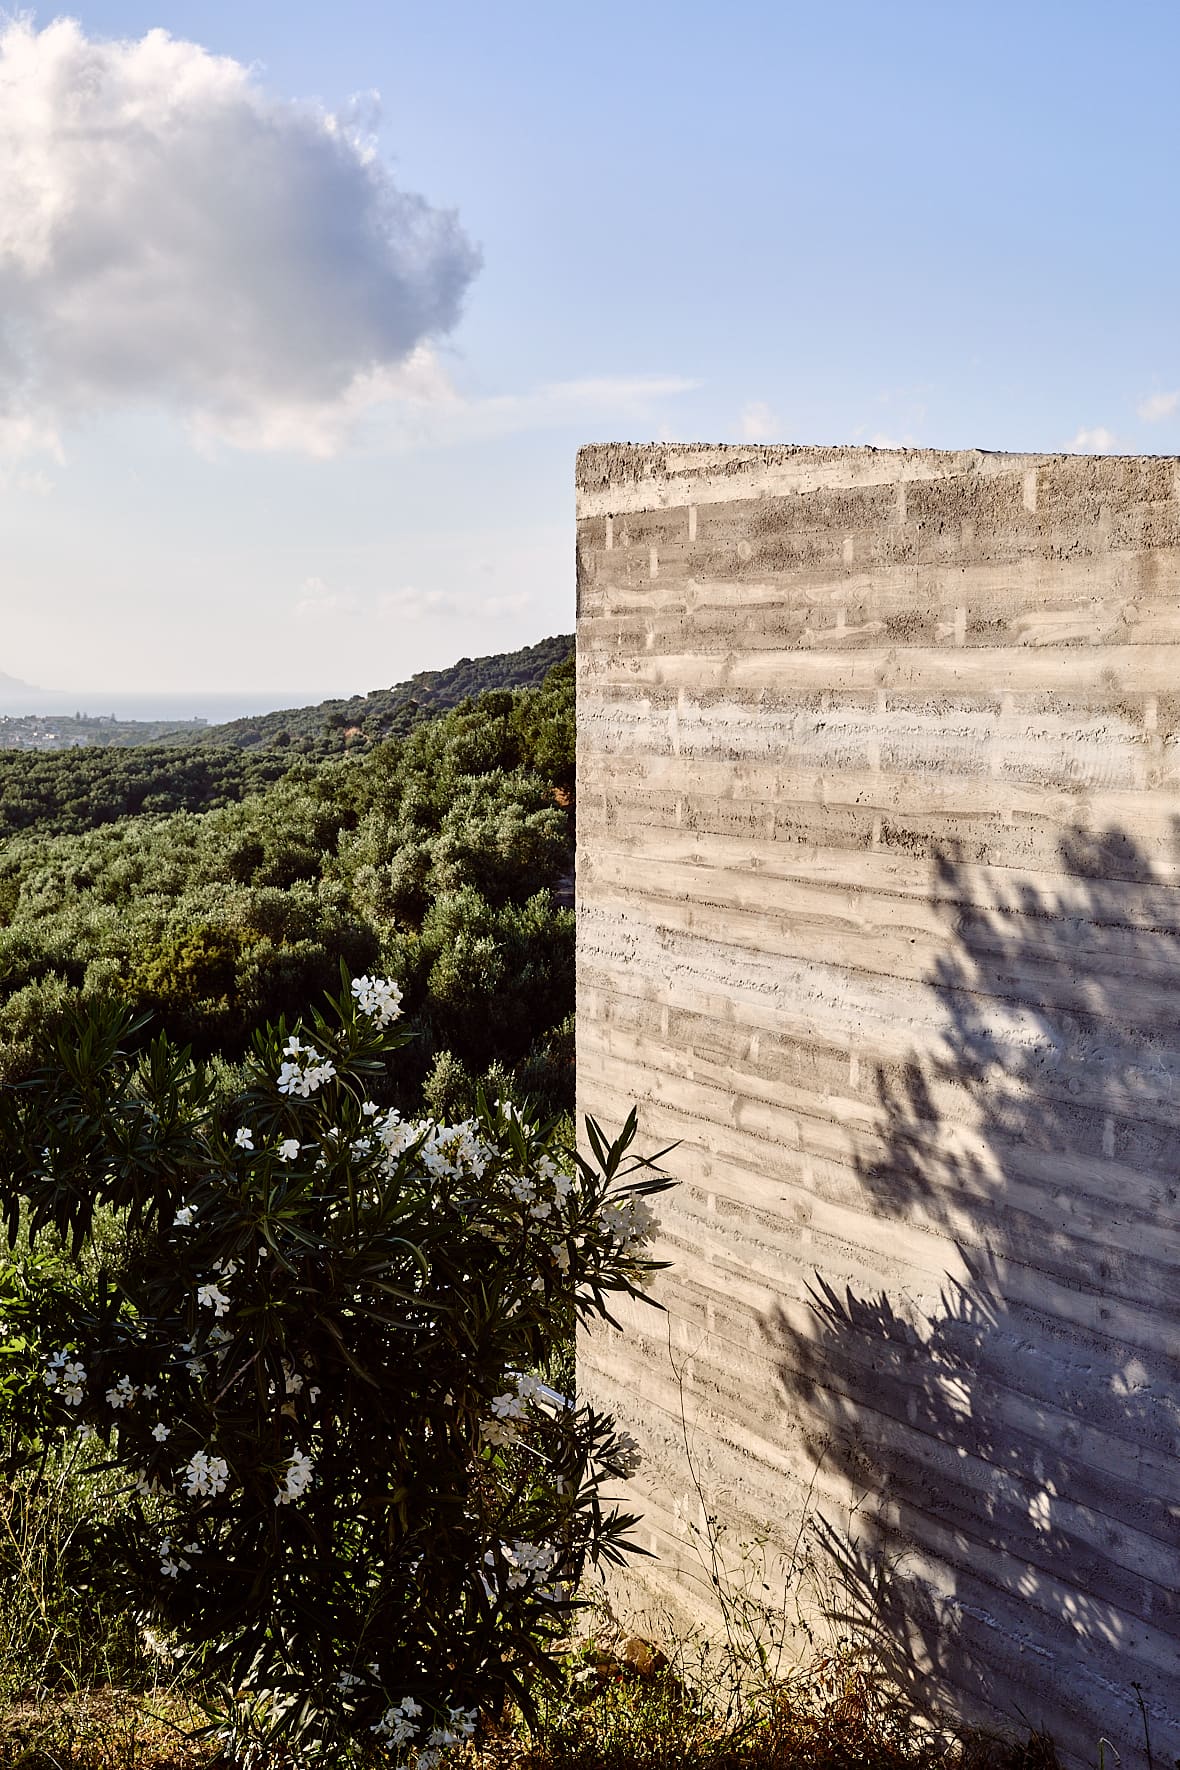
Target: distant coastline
[214, 707]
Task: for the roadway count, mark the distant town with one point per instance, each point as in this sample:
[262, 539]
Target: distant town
[61, 731]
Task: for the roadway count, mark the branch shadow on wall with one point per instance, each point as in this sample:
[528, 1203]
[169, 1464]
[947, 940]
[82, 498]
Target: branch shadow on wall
[1013, 1440]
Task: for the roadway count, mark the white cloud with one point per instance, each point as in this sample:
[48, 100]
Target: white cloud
[171, 235]
[435, 412]
[1159, 405]
[23, 434]
[1098, 441]
[318, 603]
[29, 482]
[20, 437]
[417, 405]
[416, 605]
[758, 423]
[514, 604]
[880, 439]
[419, 388]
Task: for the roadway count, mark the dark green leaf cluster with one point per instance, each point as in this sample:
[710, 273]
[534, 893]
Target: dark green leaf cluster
[64, 792]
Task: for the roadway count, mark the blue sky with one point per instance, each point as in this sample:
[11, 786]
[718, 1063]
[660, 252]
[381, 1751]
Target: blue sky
[311, 457]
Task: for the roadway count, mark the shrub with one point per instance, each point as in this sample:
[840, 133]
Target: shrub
[308, 1330]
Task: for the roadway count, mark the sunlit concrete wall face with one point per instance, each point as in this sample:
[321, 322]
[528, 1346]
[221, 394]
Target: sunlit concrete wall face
[879, 918]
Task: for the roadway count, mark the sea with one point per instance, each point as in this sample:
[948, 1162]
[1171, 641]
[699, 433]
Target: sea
[213, 705]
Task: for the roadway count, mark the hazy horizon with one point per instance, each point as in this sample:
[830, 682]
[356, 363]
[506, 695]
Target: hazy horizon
[20, 699]
[215, 706]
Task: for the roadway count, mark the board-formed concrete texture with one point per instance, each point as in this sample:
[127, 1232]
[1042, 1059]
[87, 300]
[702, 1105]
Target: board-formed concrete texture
[879, 916]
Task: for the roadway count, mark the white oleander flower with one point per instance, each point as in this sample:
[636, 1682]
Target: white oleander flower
[627, 1456]
[508, 1406]
[397, 1134]
[528, 1562]
[377, 997]
[54, 1365]
[629, 1221]
[121, 1394]
[304, 1079]
[243, 1138]
[210, 1296]
[397, 1723]
[184, 1217]
[73, 1381]
[160, 1431]
[297, 1479]
[205, 1475]
[288, 1149]
[170, 1562]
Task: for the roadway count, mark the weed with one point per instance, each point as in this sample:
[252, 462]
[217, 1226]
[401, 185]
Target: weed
[61, 1627]
[103, 1729]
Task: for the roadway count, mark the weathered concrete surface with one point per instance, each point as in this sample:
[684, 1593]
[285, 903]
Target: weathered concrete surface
[879, 914]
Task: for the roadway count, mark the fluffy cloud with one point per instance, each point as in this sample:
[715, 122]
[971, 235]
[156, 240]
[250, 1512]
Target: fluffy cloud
[881, 439]
[445, 416]
[318, 603]
[514, 603]
[1098, 441]
[415, 605]
[758, 423]
[1159, 405]
[171, 235]
[420, 605]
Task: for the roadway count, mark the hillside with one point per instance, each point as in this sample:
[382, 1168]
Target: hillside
[390, 712]
[66, 791]
[439, 859]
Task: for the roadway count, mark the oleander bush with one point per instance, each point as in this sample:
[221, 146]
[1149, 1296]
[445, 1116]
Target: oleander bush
[312, 1337]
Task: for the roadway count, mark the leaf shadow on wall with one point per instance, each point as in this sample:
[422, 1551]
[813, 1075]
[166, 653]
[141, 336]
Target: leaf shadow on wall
[1023, 1428]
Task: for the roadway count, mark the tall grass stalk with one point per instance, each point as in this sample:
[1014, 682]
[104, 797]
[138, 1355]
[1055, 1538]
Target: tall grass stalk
[60, 1629]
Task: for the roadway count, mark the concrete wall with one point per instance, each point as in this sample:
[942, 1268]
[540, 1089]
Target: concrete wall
[879, 915]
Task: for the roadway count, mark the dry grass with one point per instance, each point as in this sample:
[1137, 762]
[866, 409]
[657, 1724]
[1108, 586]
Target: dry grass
[104, 1729]
[833, 1716]
[606, 1717]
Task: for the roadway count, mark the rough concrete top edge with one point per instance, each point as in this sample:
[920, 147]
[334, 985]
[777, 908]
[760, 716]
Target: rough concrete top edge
[614, 478]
